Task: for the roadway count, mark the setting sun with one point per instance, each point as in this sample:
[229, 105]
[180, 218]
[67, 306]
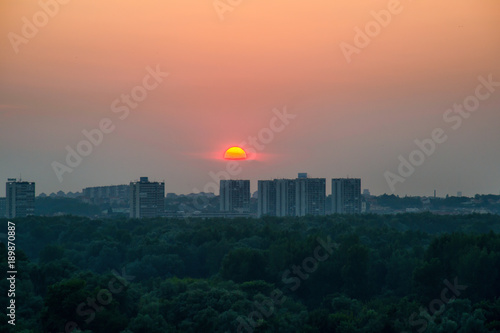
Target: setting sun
[235, 153]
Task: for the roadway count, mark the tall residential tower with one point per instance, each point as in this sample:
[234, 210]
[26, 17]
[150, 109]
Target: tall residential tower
[266, 202]
[292, 197]
[310, 196]
[147, 199]
[20, 198]
[346, 195]
[235, 196]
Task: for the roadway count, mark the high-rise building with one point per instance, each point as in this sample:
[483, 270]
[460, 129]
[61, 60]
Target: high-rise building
[147, 199]
[346, 195]
[266, 201]
[292, 197]
[285, 197]
[310, 196]
[20, 198]
[235, 196]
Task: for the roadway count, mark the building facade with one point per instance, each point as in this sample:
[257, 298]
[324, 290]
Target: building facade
[285, 197]
[147, 199]
[266, 201]
[292, 197]
[235, 196]
[346, 196]
[20, 198]
[310, 196]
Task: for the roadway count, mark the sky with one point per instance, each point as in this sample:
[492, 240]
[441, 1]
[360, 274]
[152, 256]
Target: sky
[336, 89]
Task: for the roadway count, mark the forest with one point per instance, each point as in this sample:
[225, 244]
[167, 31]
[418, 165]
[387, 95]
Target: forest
[336, 273]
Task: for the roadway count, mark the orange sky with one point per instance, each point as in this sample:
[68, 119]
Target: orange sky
[226, 77]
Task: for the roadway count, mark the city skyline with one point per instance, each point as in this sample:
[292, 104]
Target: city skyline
[301, 196]
[307, 86]
[254, 186]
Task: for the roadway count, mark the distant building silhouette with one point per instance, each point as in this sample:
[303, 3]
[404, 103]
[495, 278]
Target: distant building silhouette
[147, 199]
[310, 196]
[20, 198]
[292, 197]
[266, 201]
[235, 196]
[285, 197]
[346, 195]
[107, 194]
